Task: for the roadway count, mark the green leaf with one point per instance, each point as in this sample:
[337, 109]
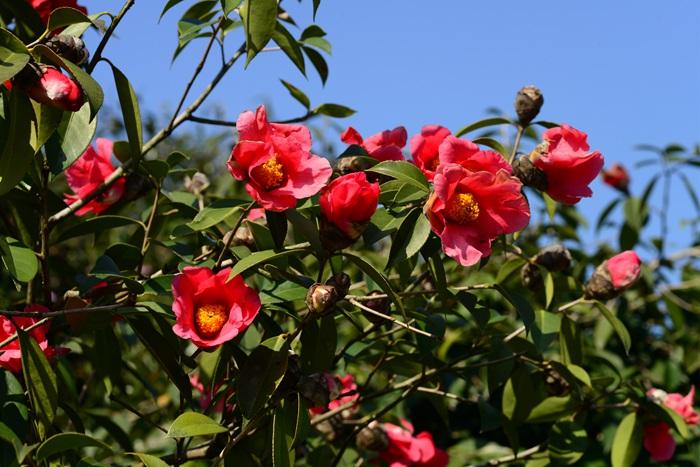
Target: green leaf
[215, 213]
[548, 288]
[551, 409]
[68, 441]
[43, 389]
[289, 46]
[168, 6]
[602, 219]
[90, 87]
[259, 20]
[20, 261]
[130, 112]
[147, 459]
[617, 325]
[73, 136]
[551, 206]
[260, 257]
[334, 110]
[65, 16]
[297, 94]
[410, 237]
[567, 443]
[13, 55]
[403, 171]
[229, 5]
[377, 277]
[627, 442]
[284, 422]
[191, 424]
[318, 62]
[17, 135]
[97, 225]
[306, 228]
[79, 29]
[482, 124]
[260, 375]
[318, 343]
[493, 144]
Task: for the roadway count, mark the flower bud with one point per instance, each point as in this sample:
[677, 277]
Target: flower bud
[529, 175]
[378, 304]
[197, 183]
[617, 177]
[613, 276]
[555, 258]
[347, 204]
[372, 438]
[315, 388]
[47, 85]
[71, 48]
[321, 298]
[528, 103]
[341, 282]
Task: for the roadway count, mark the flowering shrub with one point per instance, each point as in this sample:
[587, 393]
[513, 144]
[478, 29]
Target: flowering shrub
[435, 305]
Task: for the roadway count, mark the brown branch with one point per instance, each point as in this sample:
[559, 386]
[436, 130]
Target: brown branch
[115, 22]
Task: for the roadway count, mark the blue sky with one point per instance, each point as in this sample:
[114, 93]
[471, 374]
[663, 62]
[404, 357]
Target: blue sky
[625, 72]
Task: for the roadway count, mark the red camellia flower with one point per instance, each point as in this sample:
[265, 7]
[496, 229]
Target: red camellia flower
[617, 177]
[424, 148]
[384, 146]
[658, 440]
[10, 354]
[349, 200]
[210, 309]
[624, 269]
[343, 386]
[406, 450]
[45, 7]
[568, 164]
[88, 172]
[276, 162]
[469, 209]
[55, 89]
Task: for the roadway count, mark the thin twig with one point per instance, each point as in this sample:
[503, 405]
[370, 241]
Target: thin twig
[115, 22]
[146, 240]
[231, 234]
[512, 457]
[392, 319]
[516, 144]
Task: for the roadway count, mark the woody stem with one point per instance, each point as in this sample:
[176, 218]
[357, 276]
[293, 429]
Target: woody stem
[516, 144]
[231, 234]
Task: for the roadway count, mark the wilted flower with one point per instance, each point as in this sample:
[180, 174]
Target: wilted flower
[384, 146]
[528, 103]
[275, 161]
[210, 309]
[87, 174]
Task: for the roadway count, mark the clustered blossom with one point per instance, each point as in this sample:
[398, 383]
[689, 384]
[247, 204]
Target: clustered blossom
[384, 146]
[658, 440]
[406, 450]
[342, 389]
[210, 309]
[11, 354]
[45, 7]
[567, 163]
[87, 174]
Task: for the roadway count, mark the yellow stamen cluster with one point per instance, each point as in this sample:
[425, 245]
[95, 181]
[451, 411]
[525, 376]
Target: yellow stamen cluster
[210, 319]
[270, 174]
[462, 208]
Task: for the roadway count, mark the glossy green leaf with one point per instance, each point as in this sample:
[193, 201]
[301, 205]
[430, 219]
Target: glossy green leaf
[20, 261]
[65, 16]
[318, 343]
[403, 171]
[97, 225]
[377, 277]
[260, 257]
[130, 112]
[43, 389]
[73, 136]
[493, 144]
[13, 55]
[68, 441]
[215, 213]
[567, 443]
[333, 110]
[191, 424]
[284, 422]
[148, 460]
[260, 375]
[16, 138]
[297, 94]
[318, 62]
[259, 20]
[617, 325]
[487, 122]
[289, 46]
[627, 442]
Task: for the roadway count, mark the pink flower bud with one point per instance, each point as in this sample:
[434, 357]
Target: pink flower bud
[55, 89]
[613, 276]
